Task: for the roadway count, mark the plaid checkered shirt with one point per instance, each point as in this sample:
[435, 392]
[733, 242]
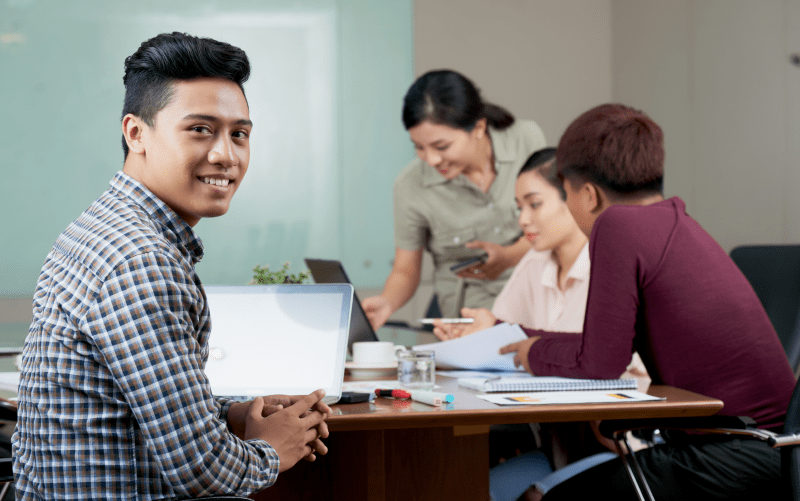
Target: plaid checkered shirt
[113, 400]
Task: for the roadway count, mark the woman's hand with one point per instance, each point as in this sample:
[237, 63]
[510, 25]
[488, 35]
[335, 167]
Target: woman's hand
[495, 264]
[483, 320]
[378, 310]
[521, 350]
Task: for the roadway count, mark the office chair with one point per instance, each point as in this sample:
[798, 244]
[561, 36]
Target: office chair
[8, 420]
[774, 273]
[788, 441]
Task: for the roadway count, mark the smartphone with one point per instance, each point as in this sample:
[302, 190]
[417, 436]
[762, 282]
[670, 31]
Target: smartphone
[466, 263]
[353, 397]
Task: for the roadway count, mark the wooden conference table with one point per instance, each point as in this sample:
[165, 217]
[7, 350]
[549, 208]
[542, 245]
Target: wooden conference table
[403, 450]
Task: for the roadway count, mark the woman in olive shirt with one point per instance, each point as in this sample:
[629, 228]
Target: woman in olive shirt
[457, 199]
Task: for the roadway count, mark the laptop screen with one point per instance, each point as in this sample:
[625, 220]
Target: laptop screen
[328, 271]
[278, 339]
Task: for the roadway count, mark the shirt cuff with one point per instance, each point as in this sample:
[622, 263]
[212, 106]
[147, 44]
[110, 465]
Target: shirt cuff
[269, 457]
[225, 405]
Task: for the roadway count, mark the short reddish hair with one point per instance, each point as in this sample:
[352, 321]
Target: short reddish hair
[616, 147]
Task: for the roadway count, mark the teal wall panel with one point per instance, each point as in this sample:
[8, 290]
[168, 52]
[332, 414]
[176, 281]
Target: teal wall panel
[325, 95]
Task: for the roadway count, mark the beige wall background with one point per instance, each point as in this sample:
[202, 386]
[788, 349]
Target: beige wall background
[715, 74]
[547, 60]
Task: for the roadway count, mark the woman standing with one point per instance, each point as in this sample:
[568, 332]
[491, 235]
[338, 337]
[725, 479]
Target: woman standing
[456, 199]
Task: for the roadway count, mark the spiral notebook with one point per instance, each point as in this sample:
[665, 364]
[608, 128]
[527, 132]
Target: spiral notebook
[512, 383]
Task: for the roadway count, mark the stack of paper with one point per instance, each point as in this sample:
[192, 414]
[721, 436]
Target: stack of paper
[568, 397]
[478, 351]
[530, 383]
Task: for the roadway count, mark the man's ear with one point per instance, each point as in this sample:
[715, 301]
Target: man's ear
[133, 129]
[603, 199]
[593, 197]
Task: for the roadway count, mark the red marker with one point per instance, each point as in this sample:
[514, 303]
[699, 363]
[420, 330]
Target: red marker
[393, 393]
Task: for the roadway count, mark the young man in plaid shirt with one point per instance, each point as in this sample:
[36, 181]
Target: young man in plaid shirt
[113, 400]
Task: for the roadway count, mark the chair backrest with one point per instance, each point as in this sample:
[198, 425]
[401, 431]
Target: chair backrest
[774, 273]
[790, 459]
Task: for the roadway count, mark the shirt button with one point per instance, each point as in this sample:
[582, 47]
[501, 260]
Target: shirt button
[490, 205]
[456, 240]
[497, 229]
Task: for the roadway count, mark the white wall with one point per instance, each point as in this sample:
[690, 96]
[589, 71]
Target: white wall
[715, 74]
[547, 60]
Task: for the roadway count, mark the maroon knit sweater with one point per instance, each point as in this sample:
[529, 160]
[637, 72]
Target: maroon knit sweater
[662, 286]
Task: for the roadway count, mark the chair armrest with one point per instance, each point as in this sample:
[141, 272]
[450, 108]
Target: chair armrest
[711, 425]
[786, 439]
[608, 427]
[6, 470]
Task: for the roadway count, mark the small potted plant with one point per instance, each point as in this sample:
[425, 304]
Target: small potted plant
[262, 276]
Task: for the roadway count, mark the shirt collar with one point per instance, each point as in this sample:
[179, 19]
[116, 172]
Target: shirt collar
[579, 271]
[503, 158]
[501, 146]
[159, 212]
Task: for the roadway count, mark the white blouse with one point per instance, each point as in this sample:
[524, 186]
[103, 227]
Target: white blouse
[531, 296]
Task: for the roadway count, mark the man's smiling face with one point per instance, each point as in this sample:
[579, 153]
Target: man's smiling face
[198, 150]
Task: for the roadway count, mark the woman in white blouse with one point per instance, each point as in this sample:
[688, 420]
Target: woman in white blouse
[548, 288]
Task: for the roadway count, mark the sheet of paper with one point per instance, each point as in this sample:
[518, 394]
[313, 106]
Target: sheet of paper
[478, 351]
[371, 386]
[483, 374]
[568, 397]
[526, 382]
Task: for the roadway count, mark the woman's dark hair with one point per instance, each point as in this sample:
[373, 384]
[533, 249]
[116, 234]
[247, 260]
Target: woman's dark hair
[152, 69]
[615, 147]
[543, 162]
[449, 98]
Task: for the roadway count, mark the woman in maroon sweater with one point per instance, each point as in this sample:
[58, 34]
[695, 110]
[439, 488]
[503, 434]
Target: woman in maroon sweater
[662, 286]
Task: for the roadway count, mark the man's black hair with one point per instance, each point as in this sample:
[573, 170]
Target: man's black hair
[152, 69]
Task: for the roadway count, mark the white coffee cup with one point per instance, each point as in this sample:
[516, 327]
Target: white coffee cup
[375, 353]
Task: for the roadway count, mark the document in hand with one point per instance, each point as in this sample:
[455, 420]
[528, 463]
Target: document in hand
[538, 383]
[478, 351]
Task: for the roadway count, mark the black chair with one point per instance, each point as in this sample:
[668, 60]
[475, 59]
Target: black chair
[788, 441]
[8, 420]
[774, 273]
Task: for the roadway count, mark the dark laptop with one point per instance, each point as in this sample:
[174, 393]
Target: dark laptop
[329, 271]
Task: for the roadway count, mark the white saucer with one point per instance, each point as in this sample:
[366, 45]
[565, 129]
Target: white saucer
[371, 370]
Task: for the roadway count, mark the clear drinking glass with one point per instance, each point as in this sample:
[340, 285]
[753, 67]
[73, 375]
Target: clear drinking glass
[416, 369]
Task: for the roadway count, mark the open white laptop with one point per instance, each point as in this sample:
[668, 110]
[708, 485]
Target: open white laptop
[278, 339]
